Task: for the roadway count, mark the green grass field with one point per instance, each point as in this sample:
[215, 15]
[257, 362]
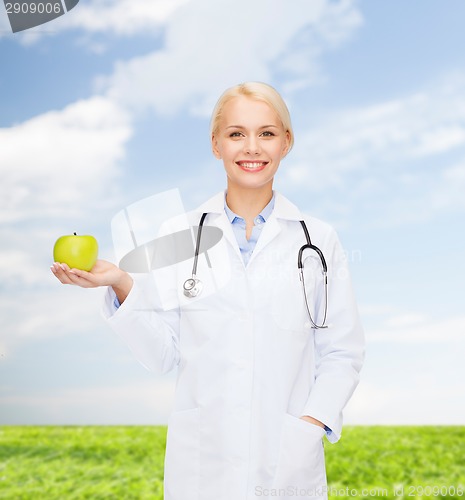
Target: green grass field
[127, 463]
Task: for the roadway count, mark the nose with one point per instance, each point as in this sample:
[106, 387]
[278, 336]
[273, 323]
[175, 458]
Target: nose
[252, 146]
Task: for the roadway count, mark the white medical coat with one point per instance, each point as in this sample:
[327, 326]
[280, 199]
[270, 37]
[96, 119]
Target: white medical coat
[249, 362]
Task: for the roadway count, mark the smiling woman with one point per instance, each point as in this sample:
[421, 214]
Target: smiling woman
[258, 384]
[251, 140]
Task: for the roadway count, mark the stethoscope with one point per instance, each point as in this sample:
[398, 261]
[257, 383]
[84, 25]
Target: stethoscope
[193, 286]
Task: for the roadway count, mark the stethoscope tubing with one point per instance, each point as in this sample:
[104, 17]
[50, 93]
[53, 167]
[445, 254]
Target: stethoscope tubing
[192, 287]
[300, 266]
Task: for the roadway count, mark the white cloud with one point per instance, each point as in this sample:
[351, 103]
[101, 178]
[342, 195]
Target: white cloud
[375, 309]
[51, 311]
[388, 136]
[407, 320]
[418, 401]
[210, 45]
[339, 22]
[120, 17]
[17, 265]
[402, 161]
[212, 25]
[456, 173]
[449, 190]
[147, 401]
[439, 139]
[54, 162]
[109, 17]
[52, 167]
[419, 329]
[86, 140]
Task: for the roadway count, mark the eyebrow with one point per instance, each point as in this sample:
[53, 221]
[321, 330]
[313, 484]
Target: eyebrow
[242, 126]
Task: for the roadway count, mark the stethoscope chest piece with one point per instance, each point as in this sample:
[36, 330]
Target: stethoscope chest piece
[192, 287]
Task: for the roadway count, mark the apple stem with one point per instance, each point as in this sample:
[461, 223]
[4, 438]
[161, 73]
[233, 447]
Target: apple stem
[75, 234]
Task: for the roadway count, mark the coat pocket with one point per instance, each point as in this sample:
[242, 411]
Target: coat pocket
[301, 463]
[181, 478]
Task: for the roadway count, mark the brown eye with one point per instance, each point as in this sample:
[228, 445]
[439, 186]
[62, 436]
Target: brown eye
[268, 133]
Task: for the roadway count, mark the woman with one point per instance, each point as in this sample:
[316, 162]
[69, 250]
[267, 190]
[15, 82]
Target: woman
[259, 382]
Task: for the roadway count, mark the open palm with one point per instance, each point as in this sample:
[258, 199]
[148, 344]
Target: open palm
[103, 273]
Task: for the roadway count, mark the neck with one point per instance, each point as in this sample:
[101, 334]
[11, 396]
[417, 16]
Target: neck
[248, 203]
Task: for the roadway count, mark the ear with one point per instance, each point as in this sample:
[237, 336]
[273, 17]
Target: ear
[215, 148]
[287, 143]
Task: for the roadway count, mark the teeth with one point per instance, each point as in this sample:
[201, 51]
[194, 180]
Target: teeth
[252, 166]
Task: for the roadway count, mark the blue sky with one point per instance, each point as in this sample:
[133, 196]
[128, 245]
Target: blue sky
[110, 104]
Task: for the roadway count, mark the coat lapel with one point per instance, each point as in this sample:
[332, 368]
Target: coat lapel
[222, 222]
[283, 209]
[217, 216]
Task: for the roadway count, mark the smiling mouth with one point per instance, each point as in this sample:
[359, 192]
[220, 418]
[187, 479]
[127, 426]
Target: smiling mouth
[252, 166]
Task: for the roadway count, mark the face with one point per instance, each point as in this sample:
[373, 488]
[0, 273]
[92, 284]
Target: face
[251, 141]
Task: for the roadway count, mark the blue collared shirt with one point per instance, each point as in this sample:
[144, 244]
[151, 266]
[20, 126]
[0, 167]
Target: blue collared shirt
[247, 246]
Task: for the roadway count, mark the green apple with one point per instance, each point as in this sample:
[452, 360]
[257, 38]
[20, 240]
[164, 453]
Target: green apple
[79, 252]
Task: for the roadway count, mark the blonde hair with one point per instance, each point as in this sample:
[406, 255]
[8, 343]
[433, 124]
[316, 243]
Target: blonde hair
[260, 92]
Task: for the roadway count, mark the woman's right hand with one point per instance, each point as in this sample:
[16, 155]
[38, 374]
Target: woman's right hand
[103, 273]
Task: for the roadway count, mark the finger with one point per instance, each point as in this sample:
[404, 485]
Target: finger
[70, 273]
[81, 274]
[80, 280]
[75, 280]
[59, 272]
[66, 274]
